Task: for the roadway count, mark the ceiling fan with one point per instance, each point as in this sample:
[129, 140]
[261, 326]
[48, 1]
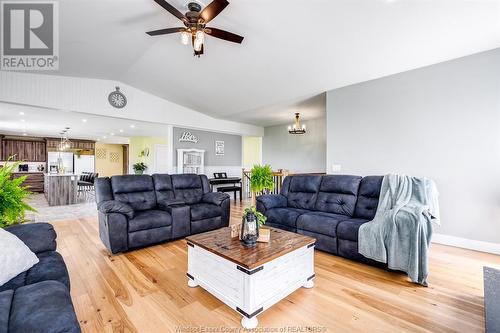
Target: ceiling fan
[195, 24]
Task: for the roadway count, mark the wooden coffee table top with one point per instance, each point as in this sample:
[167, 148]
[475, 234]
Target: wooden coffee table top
[220, 243]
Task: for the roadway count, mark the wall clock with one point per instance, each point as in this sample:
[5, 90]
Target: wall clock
[117, 99]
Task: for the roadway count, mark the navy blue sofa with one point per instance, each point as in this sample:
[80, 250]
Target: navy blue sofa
[38, 300]
[141, 210]
[329, 208]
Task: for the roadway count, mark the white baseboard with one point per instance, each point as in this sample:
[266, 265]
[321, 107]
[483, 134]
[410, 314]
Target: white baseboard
[466, 243]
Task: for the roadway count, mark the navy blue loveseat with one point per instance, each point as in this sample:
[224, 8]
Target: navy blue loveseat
[141, 210]
[329, 208]
[38, 300]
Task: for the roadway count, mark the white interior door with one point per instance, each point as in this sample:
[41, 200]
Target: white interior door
[161, 159]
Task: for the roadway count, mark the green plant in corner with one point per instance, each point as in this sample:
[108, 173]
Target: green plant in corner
[261, 219]
[261, 179]
[13, 206]
[139, 168]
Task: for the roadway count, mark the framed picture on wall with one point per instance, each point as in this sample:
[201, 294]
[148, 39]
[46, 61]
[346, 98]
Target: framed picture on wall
[219, 148]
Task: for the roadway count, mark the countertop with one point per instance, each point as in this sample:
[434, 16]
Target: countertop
[28, 172]
[60, 174]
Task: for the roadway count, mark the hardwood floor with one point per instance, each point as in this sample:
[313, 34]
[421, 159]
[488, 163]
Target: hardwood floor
[146, 291]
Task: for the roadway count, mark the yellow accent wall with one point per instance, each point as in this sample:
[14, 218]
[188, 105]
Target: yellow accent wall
[252, 151]
[108, 159]
[140, 143]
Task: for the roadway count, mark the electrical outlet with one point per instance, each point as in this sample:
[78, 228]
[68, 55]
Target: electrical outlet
[336, 167]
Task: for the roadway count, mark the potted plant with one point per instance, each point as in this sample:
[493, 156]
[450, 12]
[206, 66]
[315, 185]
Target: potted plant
[261, 180]
[139, 168]
[13, 206]
[251, 222]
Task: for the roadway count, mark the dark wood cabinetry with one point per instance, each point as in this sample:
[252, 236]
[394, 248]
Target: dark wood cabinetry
[35, 181]
[22, 150]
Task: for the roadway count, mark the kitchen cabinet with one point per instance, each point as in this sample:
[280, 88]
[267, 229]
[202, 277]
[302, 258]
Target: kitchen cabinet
[30, 151]
[35, 180]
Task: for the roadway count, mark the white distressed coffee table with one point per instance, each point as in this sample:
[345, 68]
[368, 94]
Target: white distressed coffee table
[250, 280]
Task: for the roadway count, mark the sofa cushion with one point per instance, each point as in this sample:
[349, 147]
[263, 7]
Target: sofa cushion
[149, 219]
[285, 216]
[337, 194]
[5, 303]
[43, 307]
[136, 191]
[348, 229]
[280, 226]
[323, 242]
[188, 188]
[103, 190]
[368, 195]
[320, 222]
[205, 225]
[163, 188]
[148, 237]
[204, 211]
[302, 191]
[51, 266]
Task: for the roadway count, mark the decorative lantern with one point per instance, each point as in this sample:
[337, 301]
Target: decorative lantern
[249, 230]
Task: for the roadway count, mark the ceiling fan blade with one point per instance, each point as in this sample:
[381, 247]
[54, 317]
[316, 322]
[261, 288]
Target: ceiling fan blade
[213, 9]
[165, 31]
[222, 34]
[171, 9]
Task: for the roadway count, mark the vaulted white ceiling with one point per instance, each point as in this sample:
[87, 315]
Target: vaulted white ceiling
[293, 49]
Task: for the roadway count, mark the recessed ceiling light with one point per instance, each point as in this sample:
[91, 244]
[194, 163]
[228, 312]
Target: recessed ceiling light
[104, 137]
[132, 126]
[21, 113]
[84, 120]
[25, 134]
[22, 120]
[111, 134]
[98, 139]
[121, 131]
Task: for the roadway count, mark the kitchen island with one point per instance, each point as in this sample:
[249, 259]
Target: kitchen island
[61, 189]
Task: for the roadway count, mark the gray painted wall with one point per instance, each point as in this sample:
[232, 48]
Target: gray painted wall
[297, 153]
[206, 140]
[442, 122]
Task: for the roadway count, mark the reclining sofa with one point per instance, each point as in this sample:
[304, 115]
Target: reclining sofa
[141, 210]
[329, 208]
[38, 300]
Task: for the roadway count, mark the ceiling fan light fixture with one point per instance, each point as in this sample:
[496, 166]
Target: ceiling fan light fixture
[200, 35]
[195, 21]
[197, 45]
[185, 37]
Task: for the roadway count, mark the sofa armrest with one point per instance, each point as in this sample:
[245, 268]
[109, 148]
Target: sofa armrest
[181, 220]
[113, 206]
[269, 201]
[38, 237]
[214, 198]
[167, 204]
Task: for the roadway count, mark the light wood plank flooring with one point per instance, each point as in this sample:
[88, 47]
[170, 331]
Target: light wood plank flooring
[146, 291]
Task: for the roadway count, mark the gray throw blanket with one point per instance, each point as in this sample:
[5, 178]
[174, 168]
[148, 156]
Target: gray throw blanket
[401, 231]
